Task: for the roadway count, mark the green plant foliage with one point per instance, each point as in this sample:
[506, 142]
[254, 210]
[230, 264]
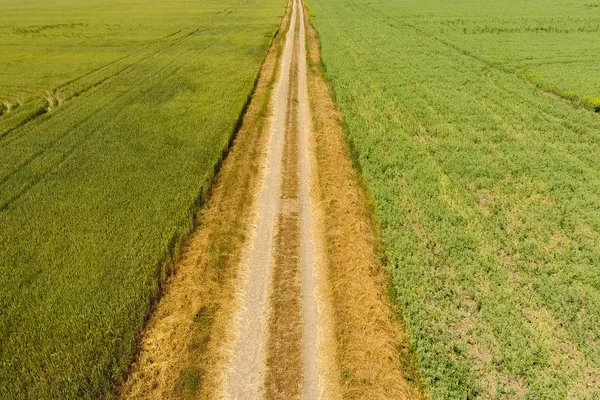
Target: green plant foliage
[486, 188]
[115, 116]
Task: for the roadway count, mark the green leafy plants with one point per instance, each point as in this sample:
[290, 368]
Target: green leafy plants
[485, 186]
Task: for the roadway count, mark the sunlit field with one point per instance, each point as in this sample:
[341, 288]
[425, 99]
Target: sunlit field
[474, 128]
[115, 115]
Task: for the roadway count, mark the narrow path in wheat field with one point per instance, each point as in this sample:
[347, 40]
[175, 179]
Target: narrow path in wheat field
[280, 292]
[276, 351]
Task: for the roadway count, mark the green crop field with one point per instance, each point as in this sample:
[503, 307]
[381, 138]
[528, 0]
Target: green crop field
[114, 115]
[472, 124]
[554, 44]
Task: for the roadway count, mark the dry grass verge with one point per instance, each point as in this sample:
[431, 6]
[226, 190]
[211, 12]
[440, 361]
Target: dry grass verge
[185, 336]
[372, 348]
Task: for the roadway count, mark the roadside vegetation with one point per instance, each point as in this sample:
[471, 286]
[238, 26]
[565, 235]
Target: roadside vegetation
[484, 183]
[371, 350]
[115, 118]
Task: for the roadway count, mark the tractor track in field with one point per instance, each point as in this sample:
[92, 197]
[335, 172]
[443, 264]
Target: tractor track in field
[145, 54]
[112, 108]
[280, 292]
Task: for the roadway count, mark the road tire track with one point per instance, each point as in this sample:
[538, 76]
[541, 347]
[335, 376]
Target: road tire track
[245, 377]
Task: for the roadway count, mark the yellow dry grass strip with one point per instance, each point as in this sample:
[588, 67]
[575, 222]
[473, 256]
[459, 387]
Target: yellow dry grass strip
[284, 350]
[184, 338]
[372, 348]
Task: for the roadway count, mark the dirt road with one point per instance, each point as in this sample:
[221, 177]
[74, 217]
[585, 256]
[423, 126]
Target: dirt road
[276, 349]
[280, 291]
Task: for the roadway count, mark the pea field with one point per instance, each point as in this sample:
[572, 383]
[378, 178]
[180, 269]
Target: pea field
[473, 124]
[114, 116]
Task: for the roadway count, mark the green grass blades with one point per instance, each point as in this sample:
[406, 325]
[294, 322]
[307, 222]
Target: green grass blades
[486, 188]
[115, 115]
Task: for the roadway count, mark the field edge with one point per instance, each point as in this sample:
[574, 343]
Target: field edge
[176, 252]
[349, 207]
